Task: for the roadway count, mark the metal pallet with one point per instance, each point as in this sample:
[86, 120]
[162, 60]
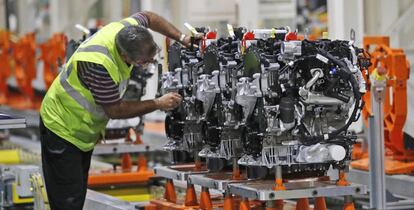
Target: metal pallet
[263, 190]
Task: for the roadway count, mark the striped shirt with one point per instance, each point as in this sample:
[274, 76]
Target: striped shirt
[97, 79]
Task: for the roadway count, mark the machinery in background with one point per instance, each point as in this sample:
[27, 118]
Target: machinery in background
[53, 53]
[19, 59]
[24, 57]
[20, 184]
[400, 153]
[5, 47]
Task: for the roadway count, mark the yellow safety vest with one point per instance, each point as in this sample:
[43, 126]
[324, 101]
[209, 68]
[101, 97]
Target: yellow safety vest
[68, 109]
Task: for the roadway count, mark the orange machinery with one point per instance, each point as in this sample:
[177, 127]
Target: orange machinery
[19, 58]
[24, 56]
[399, 159]
[125, 174]
[53, 55]
[5, 47]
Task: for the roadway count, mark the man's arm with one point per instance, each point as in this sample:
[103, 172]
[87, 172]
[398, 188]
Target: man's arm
[164, 27]
[161, 25]
[129, 109]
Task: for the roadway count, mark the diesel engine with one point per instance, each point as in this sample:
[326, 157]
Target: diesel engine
[266, 99]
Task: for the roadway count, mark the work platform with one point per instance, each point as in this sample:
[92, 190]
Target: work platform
[263, 190]
[179, 172]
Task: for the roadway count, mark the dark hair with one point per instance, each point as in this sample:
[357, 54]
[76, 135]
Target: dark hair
[136, 42]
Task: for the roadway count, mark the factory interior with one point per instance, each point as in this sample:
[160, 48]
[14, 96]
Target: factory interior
[206, 104]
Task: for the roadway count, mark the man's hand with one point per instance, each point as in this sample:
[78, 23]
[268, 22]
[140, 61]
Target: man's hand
[161, 25]
[187, 40]
[128, 109]
[168, 101]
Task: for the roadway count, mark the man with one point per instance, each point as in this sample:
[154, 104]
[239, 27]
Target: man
[87, 93]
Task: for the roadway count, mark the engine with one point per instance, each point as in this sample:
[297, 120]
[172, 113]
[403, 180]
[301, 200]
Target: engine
[184, 124]
[266, 99]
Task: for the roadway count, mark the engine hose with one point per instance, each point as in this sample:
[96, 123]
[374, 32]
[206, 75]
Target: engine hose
[223, 46]
[345, 74]
[196, 67]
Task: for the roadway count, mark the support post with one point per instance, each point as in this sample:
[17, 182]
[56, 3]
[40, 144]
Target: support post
[205, 200]
[169, 194]
[302, 204]
[320, 203]
[348, 203]
[228, 201]
[376, 140]
[190, 196]
[244, 204]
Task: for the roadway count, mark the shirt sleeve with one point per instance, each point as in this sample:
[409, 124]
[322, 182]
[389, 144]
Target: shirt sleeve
[141, 18]
[97, 80]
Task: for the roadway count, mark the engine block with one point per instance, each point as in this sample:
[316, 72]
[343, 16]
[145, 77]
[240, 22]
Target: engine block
[266, 99]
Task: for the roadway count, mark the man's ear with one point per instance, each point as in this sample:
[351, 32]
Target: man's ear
[125, 58]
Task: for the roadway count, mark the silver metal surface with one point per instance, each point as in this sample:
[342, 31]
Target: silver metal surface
[402, 185]
[263, 190]
[11, 126]
[10, 121]
[217, 181]
[22, 173]
[376, 146]
[99, 201]
[120, 148]
[31, 116]
[178, 172]
[152, 141]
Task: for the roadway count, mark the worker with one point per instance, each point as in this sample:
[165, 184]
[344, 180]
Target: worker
[87, 93]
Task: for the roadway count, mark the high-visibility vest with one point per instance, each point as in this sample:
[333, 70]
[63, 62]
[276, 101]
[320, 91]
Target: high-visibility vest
[68, 109]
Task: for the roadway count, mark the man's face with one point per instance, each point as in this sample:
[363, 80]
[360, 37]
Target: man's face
[142, 62]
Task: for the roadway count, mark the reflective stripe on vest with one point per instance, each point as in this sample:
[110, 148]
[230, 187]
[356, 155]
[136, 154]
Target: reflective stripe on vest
[96, 48]
[125, 23]
[101, 49]
[91, 108]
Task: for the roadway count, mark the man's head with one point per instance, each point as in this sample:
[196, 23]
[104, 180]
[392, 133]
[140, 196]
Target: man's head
[136, 45]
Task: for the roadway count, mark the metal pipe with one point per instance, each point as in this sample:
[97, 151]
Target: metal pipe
[235, 165]
[236, 169]
[376, 146]
[197, 161]
[278, 172]
[316, 74]
[322, 100]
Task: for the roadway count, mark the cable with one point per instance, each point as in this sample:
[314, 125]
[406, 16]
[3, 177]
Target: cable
[345, 74]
